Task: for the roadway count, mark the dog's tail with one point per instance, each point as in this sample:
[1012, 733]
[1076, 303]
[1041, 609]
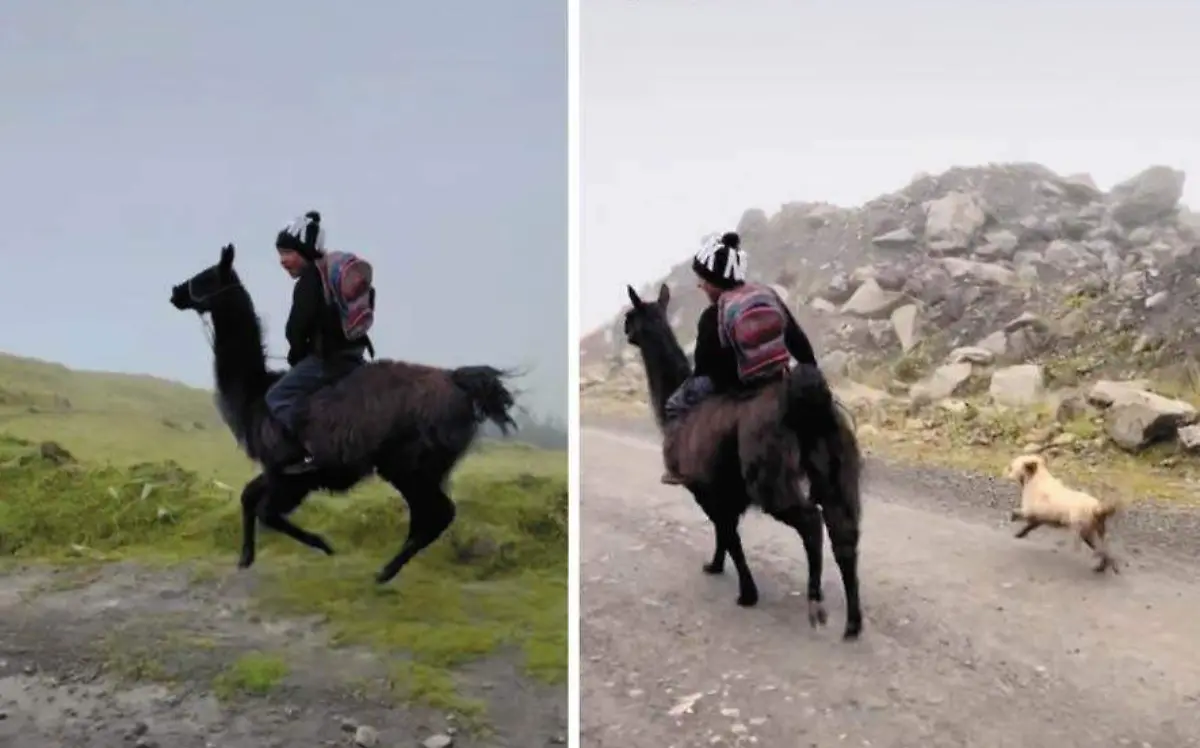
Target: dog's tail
[1109, 507]
[829, 448]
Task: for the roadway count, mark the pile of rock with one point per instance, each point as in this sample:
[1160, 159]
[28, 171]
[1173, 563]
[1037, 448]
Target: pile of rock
[951, 254]
[1004, 284]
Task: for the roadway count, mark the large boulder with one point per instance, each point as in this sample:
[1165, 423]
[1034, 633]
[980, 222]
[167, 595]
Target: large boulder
[945, 381]
[872, 302]
[953, 222]
[1146, 197]
[1135, 417]
[1017, 386]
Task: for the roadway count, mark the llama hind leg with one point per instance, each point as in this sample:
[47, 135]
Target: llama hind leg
[807, 523]
[430, 512]
[843, 536]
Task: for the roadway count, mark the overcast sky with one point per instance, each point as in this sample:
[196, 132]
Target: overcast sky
[694, 110]
[138, 136]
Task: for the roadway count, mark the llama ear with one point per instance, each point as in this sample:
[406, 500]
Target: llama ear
[664, 295]
[226, 263]
[634, 298]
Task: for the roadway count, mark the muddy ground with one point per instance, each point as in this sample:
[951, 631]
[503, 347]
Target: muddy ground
[972, 638]
[127, 656]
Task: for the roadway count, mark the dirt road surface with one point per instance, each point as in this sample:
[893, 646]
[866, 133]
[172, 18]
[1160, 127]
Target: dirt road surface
[972, 638]
[128, 657]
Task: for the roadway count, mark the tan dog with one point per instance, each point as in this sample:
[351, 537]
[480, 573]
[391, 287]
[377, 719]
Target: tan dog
[1046, 501]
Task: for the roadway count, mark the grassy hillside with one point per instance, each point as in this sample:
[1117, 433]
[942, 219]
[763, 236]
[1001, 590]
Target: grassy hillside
[141, 486]
[119, 418]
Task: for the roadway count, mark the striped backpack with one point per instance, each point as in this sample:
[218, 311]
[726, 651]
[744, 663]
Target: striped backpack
[347, 280]
[751, 319]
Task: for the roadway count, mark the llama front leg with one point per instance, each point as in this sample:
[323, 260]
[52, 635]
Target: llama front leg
[253, 494]
[717, 564]
[727, 535]
[286, 494]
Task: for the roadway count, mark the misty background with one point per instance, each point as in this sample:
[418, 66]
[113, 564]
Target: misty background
[695, 110]
[138, 137]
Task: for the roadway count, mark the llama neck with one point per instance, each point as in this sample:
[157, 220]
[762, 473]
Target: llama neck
[239, 363]
[666, 367]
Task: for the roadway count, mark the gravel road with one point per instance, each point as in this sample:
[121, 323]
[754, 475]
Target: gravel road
[972, 638]
[168, 637]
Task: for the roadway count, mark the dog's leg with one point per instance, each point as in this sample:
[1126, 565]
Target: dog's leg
[1030, 526]
[1106, 561]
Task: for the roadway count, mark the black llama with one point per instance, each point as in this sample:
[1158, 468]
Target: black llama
[408, 423]
[748, 449]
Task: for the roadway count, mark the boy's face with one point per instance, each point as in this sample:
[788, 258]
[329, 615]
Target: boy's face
[710, 291]
[292, 262]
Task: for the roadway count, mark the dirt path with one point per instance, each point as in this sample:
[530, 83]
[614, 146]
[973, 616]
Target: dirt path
[67, 654]
[972, 638]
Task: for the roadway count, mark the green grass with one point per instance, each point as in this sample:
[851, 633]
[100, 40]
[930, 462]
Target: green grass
[145, 489]
[253, 674]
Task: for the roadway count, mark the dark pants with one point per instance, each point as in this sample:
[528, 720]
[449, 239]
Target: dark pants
[690, 393]
[304, 379]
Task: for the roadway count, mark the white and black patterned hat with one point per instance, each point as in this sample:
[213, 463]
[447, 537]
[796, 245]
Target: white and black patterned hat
[721, 262]
[304, 235]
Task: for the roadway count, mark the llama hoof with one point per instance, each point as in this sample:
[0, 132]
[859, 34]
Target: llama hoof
[383, 576]
[711, 568]
[852, 632]
[816, 614]
[321, 545]
[245, 561]
[748, 599]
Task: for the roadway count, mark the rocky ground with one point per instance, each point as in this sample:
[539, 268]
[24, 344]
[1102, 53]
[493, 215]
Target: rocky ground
[129, 656]
[1002, 307]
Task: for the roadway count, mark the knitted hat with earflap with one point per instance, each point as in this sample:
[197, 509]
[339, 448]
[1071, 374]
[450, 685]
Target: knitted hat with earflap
[720, 262]
[305, 236]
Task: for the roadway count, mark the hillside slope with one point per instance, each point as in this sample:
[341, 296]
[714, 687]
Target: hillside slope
[132, 418]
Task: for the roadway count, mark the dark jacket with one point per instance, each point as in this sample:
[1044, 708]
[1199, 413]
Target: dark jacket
[314, 326]
[719, 363]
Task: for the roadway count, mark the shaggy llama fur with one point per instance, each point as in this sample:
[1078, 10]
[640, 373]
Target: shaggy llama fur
[408, 423]
[735, 451]
[1045, 500]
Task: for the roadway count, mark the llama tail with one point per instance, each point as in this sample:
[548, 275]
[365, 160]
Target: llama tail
[485, 386]
[830, 451]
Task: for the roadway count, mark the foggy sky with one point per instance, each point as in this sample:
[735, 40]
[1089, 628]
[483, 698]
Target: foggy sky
[695, 110]
[138, 137]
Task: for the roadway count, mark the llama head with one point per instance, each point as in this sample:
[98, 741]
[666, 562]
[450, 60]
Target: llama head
[203, 290]
[647, 318]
